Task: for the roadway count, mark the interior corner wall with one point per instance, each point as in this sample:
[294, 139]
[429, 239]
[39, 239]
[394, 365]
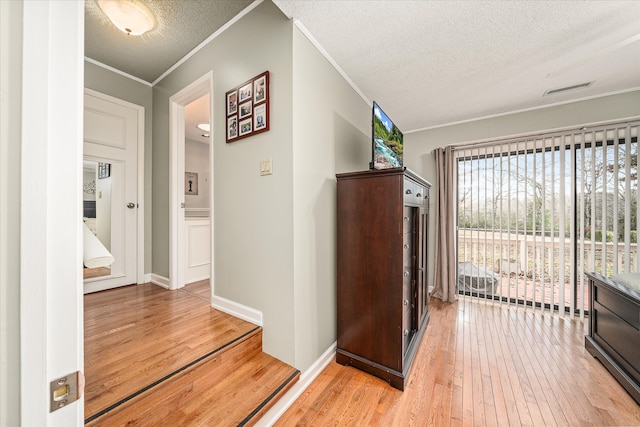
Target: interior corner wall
[419, 146]
[11, 14]
[105, 81]
[252, 214]
[331, 134]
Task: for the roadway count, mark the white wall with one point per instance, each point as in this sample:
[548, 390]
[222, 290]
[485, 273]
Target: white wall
[331, 134]
[419, 146]
[10, 137]
[196, 159]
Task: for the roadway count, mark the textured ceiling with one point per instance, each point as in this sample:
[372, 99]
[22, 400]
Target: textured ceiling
[432, 62]
[182, 25]
[427, 63]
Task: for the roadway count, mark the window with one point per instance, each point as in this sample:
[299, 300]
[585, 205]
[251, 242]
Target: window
[535, 214]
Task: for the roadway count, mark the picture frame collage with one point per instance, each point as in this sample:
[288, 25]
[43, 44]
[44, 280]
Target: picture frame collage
[247, 107]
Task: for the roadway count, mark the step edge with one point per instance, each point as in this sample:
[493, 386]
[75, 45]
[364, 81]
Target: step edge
[226, 346]
[267, 403]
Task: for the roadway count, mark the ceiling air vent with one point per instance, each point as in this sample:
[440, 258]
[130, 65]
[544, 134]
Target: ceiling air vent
[568, 88]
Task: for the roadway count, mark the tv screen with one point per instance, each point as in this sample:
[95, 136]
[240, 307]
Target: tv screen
[387, 141]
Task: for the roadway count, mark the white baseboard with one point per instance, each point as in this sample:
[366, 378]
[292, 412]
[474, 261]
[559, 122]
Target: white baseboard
[307, 377]
[161, 281]
[238, 310]
[147, 278]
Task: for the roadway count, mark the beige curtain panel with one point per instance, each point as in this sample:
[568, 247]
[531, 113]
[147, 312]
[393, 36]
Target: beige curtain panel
[445, 256]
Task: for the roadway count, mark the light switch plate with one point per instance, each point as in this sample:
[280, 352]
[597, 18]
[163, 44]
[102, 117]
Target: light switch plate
[266, 167]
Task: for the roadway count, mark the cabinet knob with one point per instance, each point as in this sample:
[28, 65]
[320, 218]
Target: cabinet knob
[406, 302]
[408, 192]
[418, 195]
[405, 246]
[406, 274]
[406, 218]
[406, 332]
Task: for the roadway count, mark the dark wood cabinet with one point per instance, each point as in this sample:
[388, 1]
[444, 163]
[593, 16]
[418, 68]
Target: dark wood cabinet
[383, 299]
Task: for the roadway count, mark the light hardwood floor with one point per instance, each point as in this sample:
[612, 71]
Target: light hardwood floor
[478, 364]
[137, 335]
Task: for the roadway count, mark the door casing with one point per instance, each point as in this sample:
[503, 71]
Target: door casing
[177, 104]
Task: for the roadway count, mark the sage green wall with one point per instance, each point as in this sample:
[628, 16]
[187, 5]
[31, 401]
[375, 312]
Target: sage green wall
[118, 86]
[331, 134]
[419, 146]
[252, 215]
[10, 137]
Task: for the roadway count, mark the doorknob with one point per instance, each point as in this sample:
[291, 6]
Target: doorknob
[131, 205]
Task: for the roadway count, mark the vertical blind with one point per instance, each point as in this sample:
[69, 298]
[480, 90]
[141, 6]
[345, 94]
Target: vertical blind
[536, 213]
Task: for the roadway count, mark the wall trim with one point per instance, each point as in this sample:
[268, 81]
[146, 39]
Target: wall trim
[307, 377]
[115, 70]
[208, 40]
[328, 57]
[161, 281]
[541, 133]
[147, 278]
[524, 110]
[238, 310]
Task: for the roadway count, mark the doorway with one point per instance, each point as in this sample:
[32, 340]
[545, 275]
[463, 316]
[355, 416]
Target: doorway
[191, 238]
[112, 192]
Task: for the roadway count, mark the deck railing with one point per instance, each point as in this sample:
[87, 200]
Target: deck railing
[541, 269]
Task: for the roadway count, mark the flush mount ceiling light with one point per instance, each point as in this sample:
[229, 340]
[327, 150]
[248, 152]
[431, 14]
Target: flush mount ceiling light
[130, 16]
[204, 126]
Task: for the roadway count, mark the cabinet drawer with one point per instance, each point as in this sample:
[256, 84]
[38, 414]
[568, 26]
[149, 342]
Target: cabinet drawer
[420, 193]
[413, 193]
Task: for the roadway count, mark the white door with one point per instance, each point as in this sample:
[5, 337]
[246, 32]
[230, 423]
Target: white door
[51, 328]
[111, 132]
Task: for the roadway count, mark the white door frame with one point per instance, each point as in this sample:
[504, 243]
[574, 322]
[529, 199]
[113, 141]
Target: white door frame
[177, 102]
[51, 306]
[139, 180]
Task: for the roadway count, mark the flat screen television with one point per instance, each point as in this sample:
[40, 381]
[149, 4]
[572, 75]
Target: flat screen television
[386, 141]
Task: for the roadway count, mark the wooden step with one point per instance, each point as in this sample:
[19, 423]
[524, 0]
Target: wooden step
[231, 387]
[138, 335]
[159, 357]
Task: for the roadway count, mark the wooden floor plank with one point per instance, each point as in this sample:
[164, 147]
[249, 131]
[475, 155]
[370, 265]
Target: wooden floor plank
[533, 370]
[139, 334]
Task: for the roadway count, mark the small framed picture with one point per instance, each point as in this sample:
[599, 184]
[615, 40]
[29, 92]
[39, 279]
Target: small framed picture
[232, 102]
[245, 126]
[260, 117]
[245, 110]
[245, 92]
[260, 89]
[191, 183]
[104, 170]
[232, 127]
[248, 108]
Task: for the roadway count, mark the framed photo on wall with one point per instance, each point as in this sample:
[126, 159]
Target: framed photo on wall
[104, 170]
[232, 102]
[248, 108]
[232, 128]
[191, 183]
